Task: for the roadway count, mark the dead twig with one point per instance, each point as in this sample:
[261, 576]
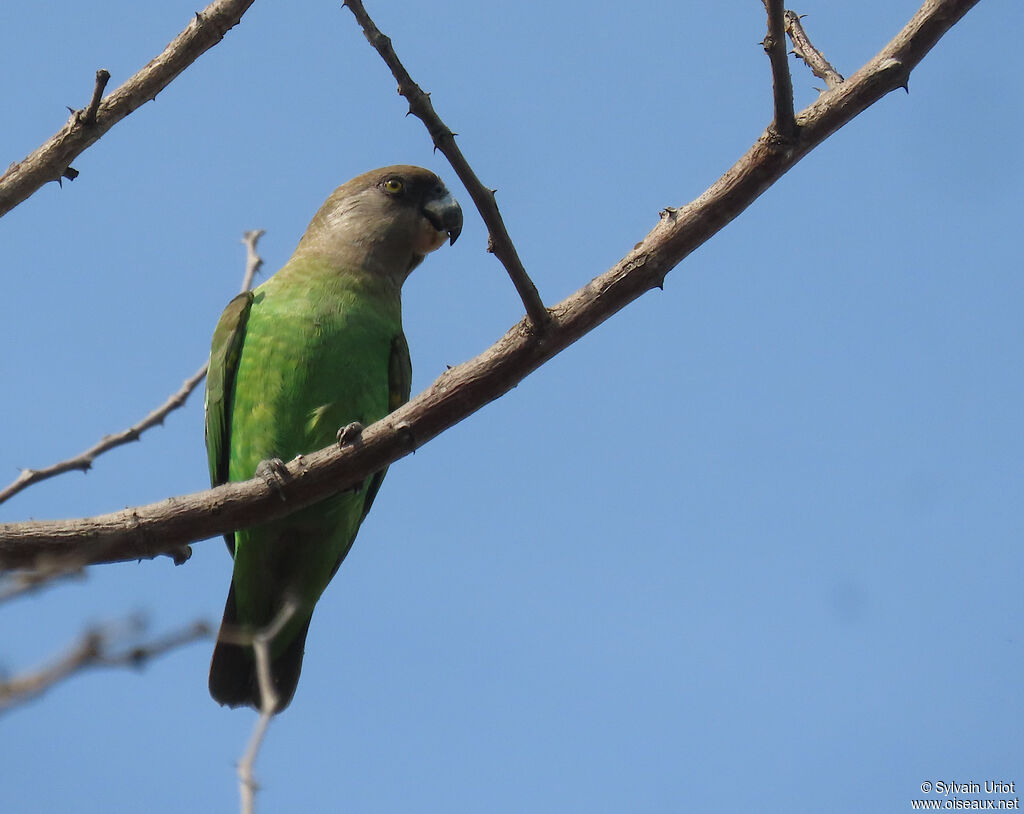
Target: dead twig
[96, 648]
[88, 116]
[782, 83]
[499, 242]
[84, 460]
[52, 160]
[805, 50]
[23, 583]
[253, 262]
[260, 641]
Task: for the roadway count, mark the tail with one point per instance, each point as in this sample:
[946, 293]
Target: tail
[233, 679]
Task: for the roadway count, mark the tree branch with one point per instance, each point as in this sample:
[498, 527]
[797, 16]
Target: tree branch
[94, 649]
[260, 642]
[23, 583]
[805, 50]
[151, 530]
[253, 262]
[52, 160]
[782, 83]
[84, 460]
[499, 242]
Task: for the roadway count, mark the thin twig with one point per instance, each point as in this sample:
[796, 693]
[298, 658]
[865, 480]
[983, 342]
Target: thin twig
[260, 641]
[805, 50]
[95, 648]
[23, 583]
[782, 83]
[148, 531]
[51, 161]
[84, 460]
[253, 262]
[499, 242]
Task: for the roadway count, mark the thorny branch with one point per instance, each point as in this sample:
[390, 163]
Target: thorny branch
[96, 648]
[52, 160]
[148, 531]
[84, 460]
[803, 49]
[782, 83]
[499, 242]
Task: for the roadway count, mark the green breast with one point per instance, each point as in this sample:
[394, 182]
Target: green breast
[315, 358]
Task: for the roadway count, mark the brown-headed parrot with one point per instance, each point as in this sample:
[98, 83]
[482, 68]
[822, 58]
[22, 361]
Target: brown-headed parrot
[316, 348]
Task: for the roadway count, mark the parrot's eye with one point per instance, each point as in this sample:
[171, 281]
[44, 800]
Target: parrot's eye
[393, 186]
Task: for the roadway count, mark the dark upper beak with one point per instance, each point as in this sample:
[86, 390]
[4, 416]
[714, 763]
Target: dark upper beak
[445, 214]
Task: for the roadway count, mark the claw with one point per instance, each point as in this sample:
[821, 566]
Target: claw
[350, 433]
[275, 474]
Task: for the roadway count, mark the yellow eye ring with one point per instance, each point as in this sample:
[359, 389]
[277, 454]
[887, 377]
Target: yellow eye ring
[393, 186]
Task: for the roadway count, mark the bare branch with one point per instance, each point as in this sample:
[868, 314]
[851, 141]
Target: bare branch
[804, 50]
[151, 530]
[23, 583]
[782, 83]
[83, 461]
[52, 160]
[260, 642]
[253, 262]
[95, 649]
[499, 242]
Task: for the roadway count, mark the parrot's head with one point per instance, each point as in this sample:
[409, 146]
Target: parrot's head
[384, 221]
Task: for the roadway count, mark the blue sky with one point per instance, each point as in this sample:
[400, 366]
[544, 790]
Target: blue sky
[754, 544]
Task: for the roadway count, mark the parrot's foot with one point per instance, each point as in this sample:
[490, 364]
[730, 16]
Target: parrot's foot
[275, 475]
[350, 433]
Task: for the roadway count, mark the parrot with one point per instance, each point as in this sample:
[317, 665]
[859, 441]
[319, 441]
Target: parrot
[314, 352]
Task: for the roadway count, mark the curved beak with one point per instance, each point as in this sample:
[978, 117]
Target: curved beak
[445, 214]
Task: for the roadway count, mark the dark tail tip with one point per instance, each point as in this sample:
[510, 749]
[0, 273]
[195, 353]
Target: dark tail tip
[233, 679]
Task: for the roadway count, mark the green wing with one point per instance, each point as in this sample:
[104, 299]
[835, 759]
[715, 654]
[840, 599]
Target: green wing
[220, 383]
[399, 387]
